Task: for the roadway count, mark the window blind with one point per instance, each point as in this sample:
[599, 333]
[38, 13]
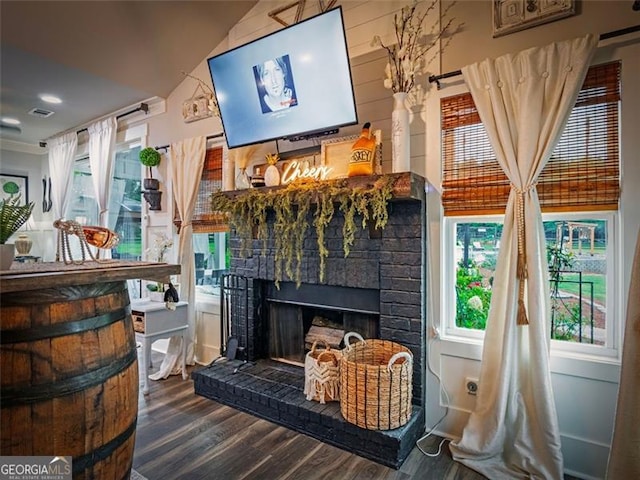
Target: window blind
[583, 173]
[204, 219]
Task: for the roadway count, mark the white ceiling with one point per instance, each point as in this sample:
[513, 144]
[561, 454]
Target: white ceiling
[100, 56]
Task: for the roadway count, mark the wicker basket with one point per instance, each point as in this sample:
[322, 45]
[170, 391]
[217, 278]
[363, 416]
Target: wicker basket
[376, 383]
[322, 374]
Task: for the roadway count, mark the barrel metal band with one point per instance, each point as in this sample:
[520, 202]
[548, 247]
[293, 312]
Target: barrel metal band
[62, 329]
[70, 293]
[88, 460]
[24, 395]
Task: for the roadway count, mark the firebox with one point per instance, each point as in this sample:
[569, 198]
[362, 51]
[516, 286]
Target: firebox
[297, 317]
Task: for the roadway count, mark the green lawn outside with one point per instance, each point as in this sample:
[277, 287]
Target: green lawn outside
[599, 286]
[134, 249]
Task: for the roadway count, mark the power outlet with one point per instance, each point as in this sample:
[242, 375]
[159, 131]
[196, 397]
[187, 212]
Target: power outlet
[471, 384]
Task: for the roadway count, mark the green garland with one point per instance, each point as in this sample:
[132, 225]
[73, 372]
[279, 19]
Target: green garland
[291, 205]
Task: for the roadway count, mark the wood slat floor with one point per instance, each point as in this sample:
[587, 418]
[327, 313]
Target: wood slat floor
[184, 436]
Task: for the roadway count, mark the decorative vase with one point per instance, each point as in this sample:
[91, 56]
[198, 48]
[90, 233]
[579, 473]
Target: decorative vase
[272, 176]
[23, 244]
[242, 180]
[228, 169]
[7, 254]
[400, 134]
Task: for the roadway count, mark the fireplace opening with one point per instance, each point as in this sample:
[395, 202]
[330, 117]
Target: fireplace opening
[298, 317]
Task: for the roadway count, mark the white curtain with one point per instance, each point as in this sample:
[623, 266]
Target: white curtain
[187, 161]
[524, 101]
[62, 153]
[624, 456]
[102, 142]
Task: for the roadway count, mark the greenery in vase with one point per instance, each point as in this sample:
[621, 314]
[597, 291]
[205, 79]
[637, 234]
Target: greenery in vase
[291, 206]
[13, 216]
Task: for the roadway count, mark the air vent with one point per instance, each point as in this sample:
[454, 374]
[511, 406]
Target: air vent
[40, 112]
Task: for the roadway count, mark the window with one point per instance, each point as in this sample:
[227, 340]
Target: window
[124, 202]
[210, 238]
[582, 174]
[578, 186]
[125, 206]
[212, 260]
[579, 253]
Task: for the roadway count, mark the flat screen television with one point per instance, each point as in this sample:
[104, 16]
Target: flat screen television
[294, 83]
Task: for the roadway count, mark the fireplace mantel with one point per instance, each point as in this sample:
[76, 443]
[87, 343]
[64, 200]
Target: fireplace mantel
[406, 185]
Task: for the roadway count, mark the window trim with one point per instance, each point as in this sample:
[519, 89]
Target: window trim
[610, 351]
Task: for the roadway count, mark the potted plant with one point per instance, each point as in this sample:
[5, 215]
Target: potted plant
[150, 158]
[12, 217]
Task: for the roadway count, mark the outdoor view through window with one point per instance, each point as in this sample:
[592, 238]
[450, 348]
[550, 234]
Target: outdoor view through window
[577, 257]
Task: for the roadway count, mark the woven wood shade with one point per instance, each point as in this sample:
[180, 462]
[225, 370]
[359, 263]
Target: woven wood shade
[582, 174]
[204, 219]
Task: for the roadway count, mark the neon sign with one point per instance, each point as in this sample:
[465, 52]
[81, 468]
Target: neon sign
[295, 171]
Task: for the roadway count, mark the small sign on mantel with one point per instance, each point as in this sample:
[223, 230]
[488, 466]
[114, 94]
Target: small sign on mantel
[336, 152]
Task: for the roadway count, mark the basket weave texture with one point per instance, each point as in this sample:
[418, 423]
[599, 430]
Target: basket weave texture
[374, 394]
[322, 374]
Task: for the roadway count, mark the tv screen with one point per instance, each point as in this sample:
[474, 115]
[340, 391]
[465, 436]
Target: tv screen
[292, 83]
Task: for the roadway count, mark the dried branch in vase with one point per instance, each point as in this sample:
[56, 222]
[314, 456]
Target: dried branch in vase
[413, 50]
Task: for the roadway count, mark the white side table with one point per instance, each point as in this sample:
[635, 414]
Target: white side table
[153, 321]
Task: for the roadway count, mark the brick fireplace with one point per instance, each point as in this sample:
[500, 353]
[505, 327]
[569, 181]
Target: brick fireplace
[377, 290]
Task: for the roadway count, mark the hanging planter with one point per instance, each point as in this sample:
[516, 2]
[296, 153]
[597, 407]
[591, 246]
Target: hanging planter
[153, 198]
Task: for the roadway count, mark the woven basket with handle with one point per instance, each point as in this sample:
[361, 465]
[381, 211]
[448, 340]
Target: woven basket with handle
[322, 374]
[375, 383]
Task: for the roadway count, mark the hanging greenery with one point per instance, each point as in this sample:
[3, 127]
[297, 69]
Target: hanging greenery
[291, 206]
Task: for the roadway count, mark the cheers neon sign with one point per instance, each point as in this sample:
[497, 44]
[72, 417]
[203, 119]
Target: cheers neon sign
[297, 171]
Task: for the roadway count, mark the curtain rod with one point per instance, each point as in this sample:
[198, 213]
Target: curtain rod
[604, 36]
[209, 137]
[142, 108]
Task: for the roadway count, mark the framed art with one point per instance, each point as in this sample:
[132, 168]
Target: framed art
[12, 185]
[514, 15]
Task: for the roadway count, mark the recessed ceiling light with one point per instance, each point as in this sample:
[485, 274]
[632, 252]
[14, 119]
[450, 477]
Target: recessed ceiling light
[10, 121]
[50, 98]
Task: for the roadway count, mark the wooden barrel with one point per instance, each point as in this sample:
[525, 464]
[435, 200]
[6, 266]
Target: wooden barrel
[69, 383]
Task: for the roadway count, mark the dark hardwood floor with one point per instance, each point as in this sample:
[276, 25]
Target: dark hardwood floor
[184, 436]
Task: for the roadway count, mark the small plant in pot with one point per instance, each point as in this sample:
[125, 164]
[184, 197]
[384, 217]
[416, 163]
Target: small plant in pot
[12, 217]
[150, 158]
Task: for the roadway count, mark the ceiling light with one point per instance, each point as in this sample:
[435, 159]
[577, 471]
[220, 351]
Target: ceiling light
[10, 121]
[50, 98]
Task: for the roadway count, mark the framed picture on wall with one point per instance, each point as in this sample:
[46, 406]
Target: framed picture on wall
[13, 185]
[514, 15]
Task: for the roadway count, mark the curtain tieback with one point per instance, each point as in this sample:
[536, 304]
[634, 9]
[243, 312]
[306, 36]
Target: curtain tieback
[521, 272]
[183, 225]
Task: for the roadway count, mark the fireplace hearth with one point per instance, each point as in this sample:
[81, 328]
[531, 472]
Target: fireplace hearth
[377, 290]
